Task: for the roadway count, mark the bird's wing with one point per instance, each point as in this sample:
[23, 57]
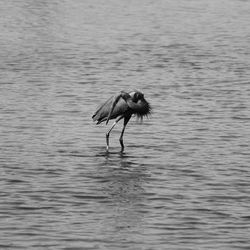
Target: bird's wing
[118, 107]
[112, 108]
[103, 110]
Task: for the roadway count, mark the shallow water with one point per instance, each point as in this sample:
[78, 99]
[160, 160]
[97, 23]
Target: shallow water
[183, 180]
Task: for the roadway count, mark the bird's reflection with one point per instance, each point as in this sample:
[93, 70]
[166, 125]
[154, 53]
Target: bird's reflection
[123, 183]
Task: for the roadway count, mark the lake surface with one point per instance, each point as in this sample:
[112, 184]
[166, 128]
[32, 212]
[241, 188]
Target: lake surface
[183, 181]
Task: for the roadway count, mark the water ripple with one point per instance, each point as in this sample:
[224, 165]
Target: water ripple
[182, 181]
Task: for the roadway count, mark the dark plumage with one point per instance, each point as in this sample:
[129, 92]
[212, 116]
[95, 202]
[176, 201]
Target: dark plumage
[123, 105]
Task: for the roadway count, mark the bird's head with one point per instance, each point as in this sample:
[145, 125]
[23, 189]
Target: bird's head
[136, 96]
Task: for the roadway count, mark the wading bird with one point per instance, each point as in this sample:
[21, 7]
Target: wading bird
[122, 106]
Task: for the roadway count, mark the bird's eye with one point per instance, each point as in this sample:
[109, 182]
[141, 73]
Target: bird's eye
[139, 96]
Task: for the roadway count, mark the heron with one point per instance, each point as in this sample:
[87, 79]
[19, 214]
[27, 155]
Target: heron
[122, 106]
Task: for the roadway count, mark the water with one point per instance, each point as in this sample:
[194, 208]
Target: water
[183, 180]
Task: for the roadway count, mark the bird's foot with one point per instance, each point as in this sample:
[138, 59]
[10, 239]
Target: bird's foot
[107, 142]
[122, 145]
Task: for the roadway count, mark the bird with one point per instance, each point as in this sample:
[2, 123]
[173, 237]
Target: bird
[122, 106]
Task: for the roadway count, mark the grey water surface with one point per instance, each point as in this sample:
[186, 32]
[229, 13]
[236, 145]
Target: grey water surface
[183, 181]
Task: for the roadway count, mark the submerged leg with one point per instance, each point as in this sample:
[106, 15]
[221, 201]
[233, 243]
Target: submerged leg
[126, 119]
[107, 134]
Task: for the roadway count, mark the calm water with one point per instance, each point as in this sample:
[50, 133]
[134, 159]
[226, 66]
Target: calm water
[183, 180]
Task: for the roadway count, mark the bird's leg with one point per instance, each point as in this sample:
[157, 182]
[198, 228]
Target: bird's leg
[107, 134]
[126, 119]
